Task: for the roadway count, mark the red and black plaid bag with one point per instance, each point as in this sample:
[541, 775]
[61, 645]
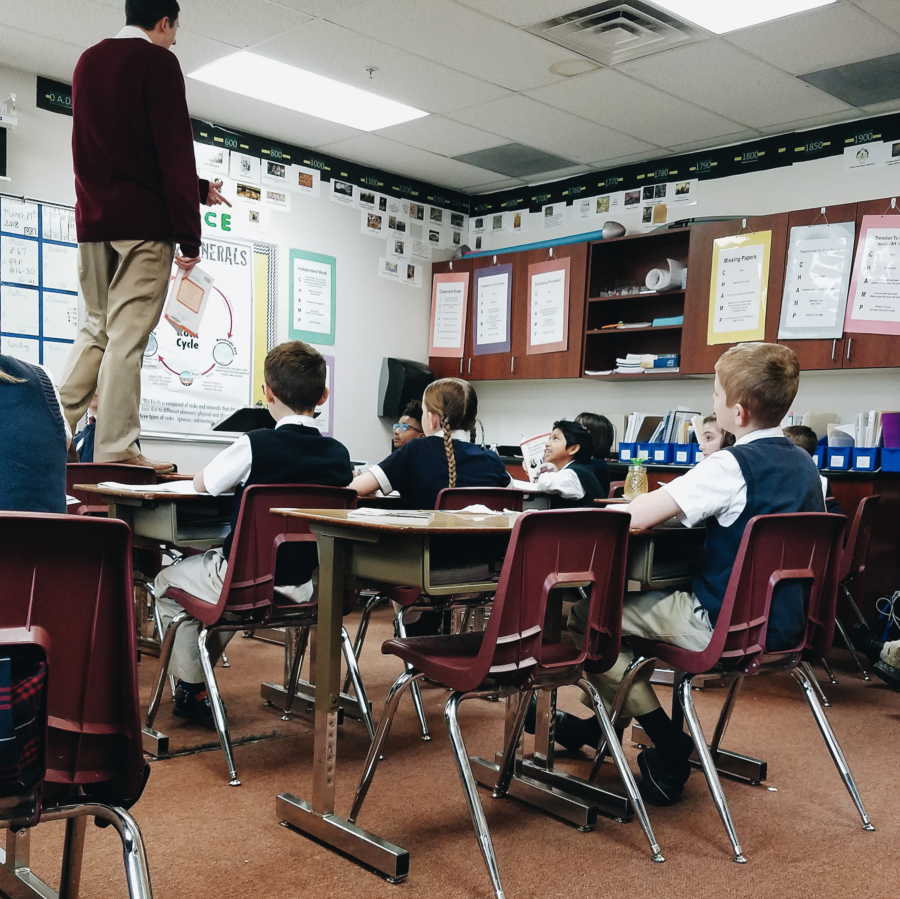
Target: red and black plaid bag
[23, 719]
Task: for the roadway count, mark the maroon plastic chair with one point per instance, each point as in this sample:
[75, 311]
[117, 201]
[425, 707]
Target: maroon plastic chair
[452, 499]
[801, 548]
[96, 473]
[851, 569]
[248, 601]
[547, 550]
[616, 489]
[67, 579]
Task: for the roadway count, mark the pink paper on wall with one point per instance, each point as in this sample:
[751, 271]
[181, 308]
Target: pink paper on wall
[449, 298]
[873, 306]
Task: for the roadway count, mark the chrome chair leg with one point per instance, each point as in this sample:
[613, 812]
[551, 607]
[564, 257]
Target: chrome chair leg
[615, 747]
[508, 762]
[362, 629]
[482, 834]
[808, 669]
[157, 620]
[829, 670]
[294, 675]
[837, 755]
[218, 709]
[225, 662]
[857, 658]
[709, 767]
[415, 691]
[375, 747]
[359, 691]
[165, 657]
[635, 667]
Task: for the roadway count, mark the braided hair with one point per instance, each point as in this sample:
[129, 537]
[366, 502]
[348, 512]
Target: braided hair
[455, 404]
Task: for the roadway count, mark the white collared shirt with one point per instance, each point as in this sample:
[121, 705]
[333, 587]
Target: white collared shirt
[715, 487]
[133, 31]
[231, 467]
[564, 483]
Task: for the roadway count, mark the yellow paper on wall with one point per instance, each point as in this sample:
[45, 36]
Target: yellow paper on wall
[738, 284]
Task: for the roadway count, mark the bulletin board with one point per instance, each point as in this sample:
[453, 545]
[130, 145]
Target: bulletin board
[38, 282]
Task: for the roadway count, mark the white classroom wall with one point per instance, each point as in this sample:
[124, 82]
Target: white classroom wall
[376, 318]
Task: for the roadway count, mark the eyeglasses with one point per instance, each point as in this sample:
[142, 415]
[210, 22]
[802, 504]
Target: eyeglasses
[403, 426]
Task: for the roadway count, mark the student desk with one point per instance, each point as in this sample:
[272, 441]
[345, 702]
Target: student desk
[183, 520]
[384, 550]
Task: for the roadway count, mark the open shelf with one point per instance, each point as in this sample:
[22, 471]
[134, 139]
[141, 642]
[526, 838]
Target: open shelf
[621, 331]
[662, 374]
[646, 295]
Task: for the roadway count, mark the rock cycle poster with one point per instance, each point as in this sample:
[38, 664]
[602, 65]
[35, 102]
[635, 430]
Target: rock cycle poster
[189, 384]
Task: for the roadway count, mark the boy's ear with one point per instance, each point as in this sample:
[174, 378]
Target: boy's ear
[267, 393]
[323, 398]
[573, 450]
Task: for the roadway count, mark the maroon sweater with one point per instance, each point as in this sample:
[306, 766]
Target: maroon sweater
[135, 175]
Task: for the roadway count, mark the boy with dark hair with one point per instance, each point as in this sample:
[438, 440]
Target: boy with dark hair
[806, 439]
[294, 452]
[602, 435]
[137, 197]
[409, 427]
[567, 472]
[763, 473]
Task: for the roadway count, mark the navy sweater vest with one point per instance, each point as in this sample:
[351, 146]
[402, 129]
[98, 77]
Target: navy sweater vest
[294, 454]
[32, 442]
[589, 483]
[780, 477]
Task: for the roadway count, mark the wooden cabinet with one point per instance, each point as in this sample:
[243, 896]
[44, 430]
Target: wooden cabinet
[871, 350]
[493, 366]
[444, 366]
[816, 354]
[698, 357]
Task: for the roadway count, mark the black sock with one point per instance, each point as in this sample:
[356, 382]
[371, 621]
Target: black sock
[668, 739]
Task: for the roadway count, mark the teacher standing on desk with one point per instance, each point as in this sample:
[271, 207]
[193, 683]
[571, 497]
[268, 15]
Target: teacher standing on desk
[138, 196]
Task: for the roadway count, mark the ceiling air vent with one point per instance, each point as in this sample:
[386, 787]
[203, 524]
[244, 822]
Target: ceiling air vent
[614, 31]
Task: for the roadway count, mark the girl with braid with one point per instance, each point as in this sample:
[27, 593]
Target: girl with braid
[444, 457]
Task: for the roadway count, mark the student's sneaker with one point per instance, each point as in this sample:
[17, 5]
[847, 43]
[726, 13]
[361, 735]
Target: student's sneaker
[663, 777]
[888, 665]
[192, 703]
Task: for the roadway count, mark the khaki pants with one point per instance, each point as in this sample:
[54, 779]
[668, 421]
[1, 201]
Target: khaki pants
[676, 618]
[202, 576]
[124, 284]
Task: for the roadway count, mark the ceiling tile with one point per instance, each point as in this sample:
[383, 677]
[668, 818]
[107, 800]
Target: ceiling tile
[817, 39]
[195, 50]
[627, 159]
[491, 187]
[550, 129]
[812, 122]
[239, 22]
[722, 78]
[557, 175]
[33, 53]
[887, 11]
[329, 49]
[75, 23]
[523, 12]
[442, 136]
[885, 108]
[726, 140]
[614, 99]
[317, 7]
[370, 149]
[245, 114]
[460, 38]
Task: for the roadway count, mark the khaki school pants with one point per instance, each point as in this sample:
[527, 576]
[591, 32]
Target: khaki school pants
[124, 284]
[676, 618]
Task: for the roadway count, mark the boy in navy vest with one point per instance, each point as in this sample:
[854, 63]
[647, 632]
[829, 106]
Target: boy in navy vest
[763, 473]
[293, 453]
[569, 476]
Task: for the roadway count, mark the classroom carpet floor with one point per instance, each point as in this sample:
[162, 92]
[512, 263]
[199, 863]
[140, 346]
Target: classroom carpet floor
[799, 829]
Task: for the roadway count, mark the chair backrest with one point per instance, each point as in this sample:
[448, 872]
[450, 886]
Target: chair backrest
[855, 554]
[72, 577]
[776, 550]
[616, 489]
[557, 548]
[96, 473]
[496, 498]
[258, 535]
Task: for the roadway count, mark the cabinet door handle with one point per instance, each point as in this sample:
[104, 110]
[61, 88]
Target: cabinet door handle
[833, 348]
[849, 348]
[462, 359]
[469, 369]
[512, 364]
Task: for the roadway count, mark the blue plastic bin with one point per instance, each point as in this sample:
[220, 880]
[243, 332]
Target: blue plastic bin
[683, 453]
[642, 451]
[890, 458]
[840, 458]
[865, 458]
[627, 451]
[661, 452]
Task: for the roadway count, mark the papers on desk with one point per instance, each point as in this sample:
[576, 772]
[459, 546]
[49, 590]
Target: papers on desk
[391, 516]
[72, 500]
[180, 487]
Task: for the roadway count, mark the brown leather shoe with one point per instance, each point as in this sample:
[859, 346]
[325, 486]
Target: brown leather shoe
[158, 467]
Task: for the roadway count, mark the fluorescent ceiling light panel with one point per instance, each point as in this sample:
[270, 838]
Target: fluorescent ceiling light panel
[276, 82]
[721, 16]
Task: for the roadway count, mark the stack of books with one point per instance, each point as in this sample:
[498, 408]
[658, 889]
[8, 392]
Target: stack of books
[638, 363]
